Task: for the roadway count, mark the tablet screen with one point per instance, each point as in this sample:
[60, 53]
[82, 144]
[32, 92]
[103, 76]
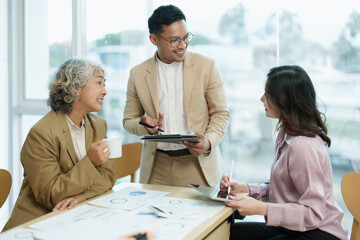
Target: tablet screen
[222, 194]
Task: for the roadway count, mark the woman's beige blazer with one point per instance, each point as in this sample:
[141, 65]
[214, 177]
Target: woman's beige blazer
[52, 171]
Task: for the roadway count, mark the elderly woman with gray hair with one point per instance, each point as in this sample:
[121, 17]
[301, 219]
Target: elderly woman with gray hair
[65, 162]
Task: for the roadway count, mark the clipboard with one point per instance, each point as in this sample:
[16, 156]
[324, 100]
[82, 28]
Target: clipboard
[171, 138]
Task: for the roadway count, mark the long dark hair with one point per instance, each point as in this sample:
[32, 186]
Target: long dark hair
[290, 89]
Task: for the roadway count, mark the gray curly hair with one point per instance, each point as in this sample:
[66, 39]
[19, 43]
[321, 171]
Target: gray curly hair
[70, 76]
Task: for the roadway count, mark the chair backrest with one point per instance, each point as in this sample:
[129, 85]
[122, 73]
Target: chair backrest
[5, 185]
[129, 162]
[350, 191]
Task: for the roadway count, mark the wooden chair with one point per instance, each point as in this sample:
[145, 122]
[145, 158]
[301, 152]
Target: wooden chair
[129, 162]
[5, 185]
[350, 191]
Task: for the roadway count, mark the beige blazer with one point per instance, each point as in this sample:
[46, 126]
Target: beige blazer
[205, 109]
[52, 170]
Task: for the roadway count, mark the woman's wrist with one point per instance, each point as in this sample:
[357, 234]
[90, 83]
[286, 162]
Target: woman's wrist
[264, 209]
[246, 188]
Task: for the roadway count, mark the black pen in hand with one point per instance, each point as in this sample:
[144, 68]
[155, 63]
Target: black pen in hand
[149, 126]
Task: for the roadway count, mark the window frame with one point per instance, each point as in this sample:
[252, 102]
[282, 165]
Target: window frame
[18, 105]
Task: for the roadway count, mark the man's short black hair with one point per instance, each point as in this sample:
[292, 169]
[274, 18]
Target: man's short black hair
[164, 15]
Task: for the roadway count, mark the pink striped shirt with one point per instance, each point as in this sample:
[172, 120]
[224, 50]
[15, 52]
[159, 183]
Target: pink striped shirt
[299, 192]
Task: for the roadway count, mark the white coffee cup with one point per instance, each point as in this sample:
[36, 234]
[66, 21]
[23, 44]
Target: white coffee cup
[115, 147]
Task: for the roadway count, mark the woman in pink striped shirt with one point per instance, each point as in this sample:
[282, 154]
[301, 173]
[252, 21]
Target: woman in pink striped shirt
[297, 202]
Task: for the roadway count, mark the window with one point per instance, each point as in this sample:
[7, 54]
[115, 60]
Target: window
[33, 29]
[59, 34]
[47, 36]
[4, 98]
[327, 48]
[246, 41]
[119, 40]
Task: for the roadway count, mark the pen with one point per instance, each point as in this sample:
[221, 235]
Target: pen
[158, 209]
[149, 126]
[230, 176]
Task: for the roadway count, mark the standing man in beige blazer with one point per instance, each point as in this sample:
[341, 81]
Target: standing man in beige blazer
[65, 162]
[180, 92]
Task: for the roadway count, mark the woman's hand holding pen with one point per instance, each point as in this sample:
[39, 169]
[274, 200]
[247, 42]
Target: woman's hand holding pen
[157, 123]
[244, 205]
[235, 186]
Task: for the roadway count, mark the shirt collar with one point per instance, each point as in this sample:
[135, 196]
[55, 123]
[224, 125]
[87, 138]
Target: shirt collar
[288, 138]
[167, 64]
[73, 125]
[283, 138]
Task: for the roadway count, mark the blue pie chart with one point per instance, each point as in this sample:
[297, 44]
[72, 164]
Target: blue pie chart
[137, 193]
[175, 201]
[24, 235]
[118, 200]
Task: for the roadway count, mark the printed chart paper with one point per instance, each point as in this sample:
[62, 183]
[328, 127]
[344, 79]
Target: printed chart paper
[78, 214]
[128, 198]
[18, 233]
[89, 229]
[90, 222]
[174, 228]
[104, 219]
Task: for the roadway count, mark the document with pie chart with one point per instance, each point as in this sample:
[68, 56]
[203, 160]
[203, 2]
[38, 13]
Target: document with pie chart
[128, 198]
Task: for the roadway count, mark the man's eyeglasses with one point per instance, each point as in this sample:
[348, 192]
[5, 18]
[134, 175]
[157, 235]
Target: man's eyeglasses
[174, 43]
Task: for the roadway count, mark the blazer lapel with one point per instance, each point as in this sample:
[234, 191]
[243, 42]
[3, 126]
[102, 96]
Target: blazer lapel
[152, 84]
[67, 136]
[89, 133]
[188, 79]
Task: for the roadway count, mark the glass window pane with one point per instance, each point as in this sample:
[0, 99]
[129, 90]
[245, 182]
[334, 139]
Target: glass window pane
[47, 43]
[119, 40]
[328, 48]
[244, 58]
[234, 34]
[242, 38]
[27, 122]
[59, 32]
